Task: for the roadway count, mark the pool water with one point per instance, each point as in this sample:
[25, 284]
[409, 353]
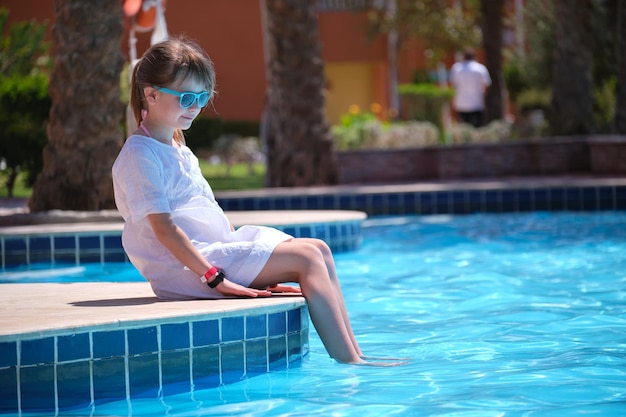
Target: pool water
[501, 315]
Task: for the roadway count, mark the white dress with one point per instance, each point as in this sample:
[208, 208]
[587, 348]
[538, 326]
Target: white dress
[150, 177]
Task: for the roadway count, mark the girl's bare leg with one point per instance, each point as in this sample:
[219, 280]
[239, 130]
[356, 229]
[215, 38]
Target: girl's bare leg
[303, 262]
[332, 273]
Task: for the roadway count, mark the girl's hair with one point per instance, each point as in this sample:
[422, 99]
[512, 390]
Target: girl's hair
[164, 63]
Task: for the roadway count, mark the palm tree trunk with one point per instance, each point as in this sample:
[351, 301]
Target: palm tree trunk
[492, 42]
[84, 132]
[571, 110]
[620, 105]
[296, 133]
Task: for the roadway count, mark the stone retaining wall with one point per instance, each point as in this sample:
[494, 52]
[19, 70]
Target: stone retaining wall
[590, 155]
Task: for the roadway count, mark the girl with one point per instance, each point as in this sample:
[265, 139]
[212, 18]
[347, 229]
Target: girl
[176, 234]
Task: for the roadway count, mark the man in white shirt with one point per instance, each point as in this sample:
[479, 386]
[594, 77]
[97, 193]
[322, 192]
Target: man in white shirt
[470, 79]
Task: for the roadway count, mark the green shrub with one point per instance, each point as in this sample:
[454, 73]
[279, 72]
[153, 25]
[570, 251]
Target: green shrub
[604, 104]
[24, 109]
[355, 130]
[205, 131]
[534, 99]
[425, 102]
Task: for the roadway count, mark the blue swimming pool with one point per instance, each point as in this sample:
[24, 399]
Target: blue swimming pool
[502, 315]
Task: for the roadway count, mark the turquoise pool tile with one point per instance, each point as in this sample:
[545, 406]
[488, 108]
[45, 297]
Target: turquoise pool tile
[557, 199]
[589, 199]
[233, 361]
[327, 202]
[311, 202]
[175, 372]
[620, 197]
[72, 347]
[15, 245]
[290, 230]
[524, 200]
[541, 199]
[473, 201]
[110, 343]
[492, 201]
[573, 198]
[256, 326]
[40, 243]
[458, 202]
[8, 354]
[319, 231]
[347, 202]
[89, 242]
[37, 351]
[427, 203]
[297, 203]
[294, 346]
[175, 336]
[276, 324]
[362, 202]
[277, 352]
[109, 380]
[90, 257]
[606, 198]
[143, 376]
[293, 320]
[282, 203]
[115, 256]
[256, 356]
[73, 384]
[112, 242]
[206, 367]
[395, 203]
[64, 242]
[37, 387]
[232, 329]
[143, 340]
[206, 332]
[264, 204]
[8, 388]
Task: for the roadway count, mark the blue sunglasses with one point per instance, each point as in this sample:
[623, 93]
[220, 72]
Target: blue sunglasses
[187, 98]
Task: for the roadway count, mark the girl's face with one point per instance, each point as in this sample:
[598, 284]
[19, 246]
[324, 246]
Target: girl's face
[167, 107]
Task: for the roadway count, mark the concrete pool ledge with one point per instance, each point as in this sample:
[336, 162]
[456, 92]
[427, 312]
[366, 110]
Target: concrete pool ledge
[37, 310]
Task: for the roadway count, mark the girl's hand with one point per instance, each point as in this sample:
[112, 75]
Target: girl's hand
[227, 287]
[279, 288]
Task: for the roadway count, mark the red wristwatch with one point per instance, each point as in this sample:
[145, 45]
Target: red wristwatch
[217, 275]
[209, 274]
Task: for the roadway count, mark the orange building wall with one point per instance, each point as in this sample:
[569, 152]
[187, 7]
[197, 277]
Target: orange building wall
[343, 38]
[231, 32]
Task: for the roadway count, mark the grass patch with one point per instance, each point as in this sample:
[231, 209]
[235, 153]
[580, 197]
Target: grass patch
[20, 190]
[220, 178]
[239, 177]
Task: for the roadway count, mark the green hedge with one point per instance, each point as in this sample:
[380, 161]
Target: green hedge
[24, 109]
[206, 130]
[424, 102]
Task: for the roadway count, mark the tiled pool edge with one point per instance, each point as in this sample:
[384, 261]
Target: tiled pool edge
[130, 359]
[100, 243]
[81, 365]
[507, 195]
